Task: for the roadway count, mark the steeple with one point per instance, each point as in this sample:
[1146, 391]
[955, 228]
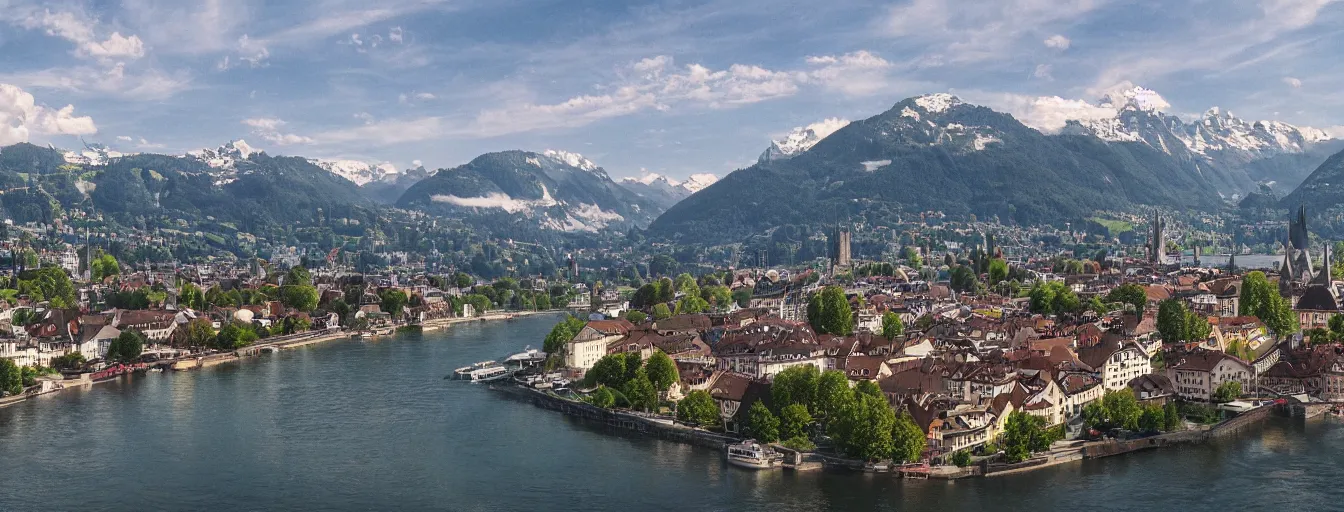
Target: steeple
[1323, 277]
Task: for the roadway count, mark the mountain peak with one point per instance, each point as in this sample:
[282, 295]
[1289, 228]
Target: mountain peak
[801, 139]
[937, 102]
[1134, 97]
[572, 159]
[225, 156]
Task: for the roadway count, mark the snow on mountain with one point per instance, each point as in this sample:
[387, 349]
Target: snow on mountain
[92, 155]
[1139, 116]
[801, 139]
[693, 184]
[937, 102]
[697, 182]
[224, 157]
[360, 173]
[574, 160]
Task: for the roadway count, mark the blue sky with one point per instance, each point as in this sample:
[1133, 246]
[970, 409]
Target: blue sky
[674, 87]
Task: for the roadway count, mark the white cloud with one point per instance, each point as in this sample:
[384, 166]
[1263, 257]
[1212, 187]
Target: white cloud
[395, 35]
[125, 138]
[861, 73]
[251, 51]
[1058, 42]
[1043, 71]
[1335, 132]
[976, 30]
[1292, 82]
[424, 96]
[81, 31]
[1046, 113]
[268, 128]
[417, 163]
[145, 144]
[21, 116]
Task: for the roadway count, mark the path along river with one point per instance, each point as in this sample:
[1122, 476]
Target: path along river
[351, 425]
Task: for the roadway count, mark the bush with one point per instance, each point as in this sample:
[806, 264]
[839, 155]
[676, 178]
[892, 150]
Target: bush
[799, 443]
[962, 458]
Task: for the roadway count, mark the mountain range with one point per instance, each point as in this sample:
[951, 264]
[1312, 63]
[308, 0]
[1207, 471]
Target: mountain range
[664, 191]
[935, 152]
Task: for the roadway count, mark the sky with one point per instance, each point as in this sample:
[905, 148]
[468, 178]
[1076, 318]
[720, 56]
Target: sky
[672, 87]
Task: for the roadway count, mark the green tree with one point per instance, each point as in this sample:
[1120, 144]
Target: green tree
[692, 304]
[1336, 324]
[829, 312]
[661, 312]
[602, 397]
[662, 265]
[1278, 316]
[1152, 419]
[907, 438]
[190, 296]
[560, 335]
[234, 335]
[50, 284]
[1096, 306]
[640, 392]
[104, 266]
[1197, 328]
[11, 377]
[892, 326]
[126, 347]
[864, 429]
[793, 421]
[698, 408]
[868, 387]
[685, 283]
[1171, 317]
[961, 458]
[998, 271]
[1121, 409]
[197, 333]
[635, 316]
[717, 296]
[833, 394]
[795, 385]
[1131, 295]
[393, 302]
[662, 371]
[1023, 435]
[912, 258]
[761, 423]
[1171, 418]
[298, 276]
[1255, 293]
[742, 296]
[963, 279]
[463, 280]
[608, 371]
[1227, 392]
[298, 296]
[71, 361]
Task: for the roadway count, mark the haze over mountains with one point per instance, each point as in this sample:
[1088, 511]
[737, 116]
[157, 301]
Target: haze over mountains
[930, 152]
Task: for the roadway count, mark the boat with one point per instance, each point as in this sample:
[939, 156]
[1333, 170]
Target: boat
[484, 371]
[752, 455]
[527, 357]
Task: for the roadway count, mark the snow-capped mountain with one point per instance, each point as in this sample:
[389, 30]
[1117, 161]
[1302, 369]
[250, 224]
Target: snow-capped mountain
[93, 154]
[801, 139]
[664, 191]
[224, 157]
[1238, 152]
[361, 173]
[518, 191]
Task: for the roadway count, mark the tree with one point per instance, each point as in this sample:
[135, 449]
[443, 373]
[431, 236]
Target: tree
[1278, 316]
[463, 280]
[829, 312]
[1121, 409]
[793, 421]
[50, 284]
[912, 258]
[1152, 419]
[1131, 295]
[640, 392]
[635, 316]
[104, 266]
[961, 458]
[11, 377]
[298, 275]
[742, 296]
[1255, 294]
[698, 408]
[71, 361]
[1197, 328]
[661, 312]
[963, 279]
[301, 297]
[795, 385]
[560, 335]
[892, 326]
[126, 347]
[685, 284]
[1171, 418]
[1171, 317]
[761, 423]
[190, 296]
[718, 296]
[603, 397]
[908, 440]
[662, 371]
[1096, 306]
[692, 304]
[197, 333]
[998, 271]
[608, 371]
[868, 387]
[393, 301]
[833, 393]
[1023, 435]
[864, 428]
[662, 265]
[1336, 324]
[1227, 392]
[234, 335]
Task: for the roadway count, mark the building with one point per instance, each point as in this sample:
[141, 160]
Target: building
[1157, 242]
[1195, 375]
[1116, 363]
[590, 344]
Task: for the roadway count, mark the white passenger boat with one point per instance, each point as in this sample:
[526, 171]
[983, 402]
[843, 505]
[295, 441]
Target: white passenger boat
[483, 370]
[752, 455]
[526, 358]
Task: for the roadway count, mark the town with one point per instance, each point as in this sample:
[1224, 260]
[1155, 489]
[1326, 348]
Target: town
[979, 361]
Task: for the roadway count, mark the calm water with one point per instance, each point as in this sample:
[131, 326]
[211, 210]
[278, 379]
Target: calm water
[373, 426]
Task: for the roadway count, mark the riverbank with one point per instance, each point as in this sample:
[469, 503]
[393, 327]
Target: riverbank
[263, 346]
[1062, 453]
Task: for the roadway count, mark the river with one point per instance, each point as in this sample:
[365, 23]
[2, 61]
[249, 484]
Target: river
[350, 425]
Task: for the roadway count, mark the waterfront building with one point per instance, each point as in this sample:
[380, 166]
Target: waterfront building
[1116, 363]
[590, 344]
[1198, 373]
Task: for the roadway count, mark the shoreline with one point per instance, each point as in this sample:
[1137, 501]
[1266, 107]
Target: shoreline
[290, 342]
[1076, 451]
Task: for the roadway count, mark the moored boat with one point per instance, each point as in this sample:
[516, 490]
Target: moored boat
[484, 371]
[752, 455]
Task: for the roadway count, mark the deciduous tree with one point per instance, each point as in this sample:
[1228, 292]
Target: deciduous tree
[698, 408]
[662, 371]
[829, 312]
[762, 424]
